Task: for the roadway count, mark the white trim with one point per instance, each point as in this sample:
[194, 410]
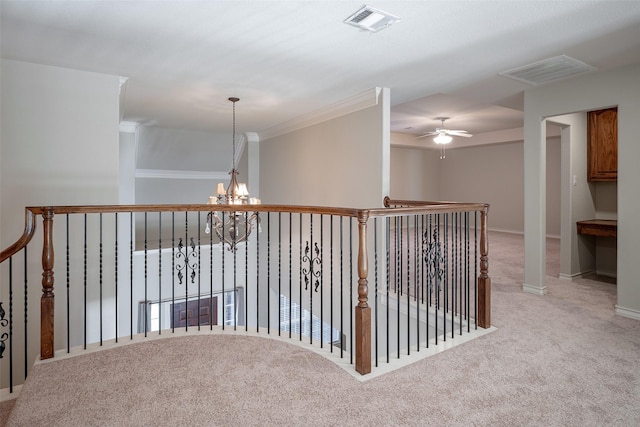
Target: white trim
[174, 174]
[129, 127]
[575, 275]
[5, 395]
[534, 289]
[628, 312]
[358, 102]
[241, 142]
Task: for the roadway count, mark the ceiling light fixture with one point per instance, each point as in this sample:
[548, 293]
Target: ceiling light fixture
[233, 227]
[442, 138]
[371, 19]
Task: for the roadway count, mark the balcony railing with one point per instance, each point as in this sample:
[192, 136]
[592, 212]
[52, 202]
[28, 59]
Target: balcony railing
[368, 285]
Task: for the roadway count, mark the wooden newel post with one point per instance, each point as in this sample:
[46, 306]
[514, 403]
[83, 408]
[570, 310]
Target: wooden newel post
[363, 311]
[47, 301]
[484, 281]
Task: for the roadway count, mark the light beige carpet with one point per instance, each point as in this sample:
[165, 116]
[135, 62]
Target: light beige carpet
[564, 359]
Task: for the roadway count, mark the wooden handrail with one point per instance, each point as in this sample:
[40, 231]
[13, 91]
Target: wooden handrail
[352, 212]
[27, 235]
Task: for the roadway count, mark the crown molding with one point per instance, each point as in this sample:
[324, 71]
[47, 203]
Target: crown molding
[175, 174]
[129, 127]
[363, 100]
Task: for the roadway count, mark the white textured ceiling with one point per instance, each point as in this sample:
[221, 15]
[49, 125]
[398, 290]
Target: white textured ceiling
[284, 59]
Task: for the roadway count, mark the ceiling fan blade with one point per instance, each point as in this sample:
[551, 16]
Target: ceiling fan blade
[427, 134]
[460, 133]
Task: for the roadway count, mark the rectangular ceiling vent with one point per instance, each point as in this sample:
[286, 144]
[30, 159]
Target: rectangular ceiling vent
[548, 70]
[371, 19]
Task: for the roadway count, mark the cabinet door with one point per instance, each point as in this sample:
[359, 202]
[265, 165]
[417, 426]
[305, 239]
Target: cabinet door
[603, 145]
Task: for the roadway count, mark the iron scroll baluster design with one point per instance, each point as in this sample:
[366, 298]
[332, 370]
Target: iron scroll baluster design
[433, 258]
[186, 258]
[311, 272]
[3, 323]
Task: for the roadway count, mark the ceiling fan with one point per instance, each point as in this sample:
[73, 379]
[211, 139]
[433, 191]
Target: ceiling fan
[443, 135]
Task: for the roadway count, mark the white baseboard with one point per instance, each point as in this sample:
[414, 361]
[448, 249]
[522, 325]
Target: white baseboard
[628, 312]
[5, 395]
[519, 233]
[534, 289]
[575, 275]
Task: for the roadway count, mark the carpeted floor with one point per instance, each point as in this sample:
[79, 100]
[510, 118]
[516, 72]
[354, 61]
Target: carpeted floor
[563, 359]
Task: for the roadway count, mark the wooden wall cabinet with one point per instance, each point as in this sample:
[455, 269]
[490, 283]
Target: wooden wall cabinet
[602, 151]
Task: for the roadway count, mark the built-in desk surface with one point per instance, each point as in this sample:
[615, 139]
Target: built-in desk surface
[598, 227]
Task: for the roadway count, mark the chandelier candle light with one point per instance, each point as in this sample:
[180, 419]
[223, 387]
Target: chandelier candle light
[233, 227]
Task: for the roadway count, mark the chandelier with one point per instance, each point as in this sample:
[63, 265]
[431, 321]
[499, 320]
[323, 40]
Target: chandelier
[230, 226]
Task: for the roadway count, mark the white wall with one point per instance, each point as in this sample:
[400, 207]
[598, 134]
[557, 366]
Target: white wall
[59, 142]
[619, 87]
[414, 172]
[340, 162]
[487, 174]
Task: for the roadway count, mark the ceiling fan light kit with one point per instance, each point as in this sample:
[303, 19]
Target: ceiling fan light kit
[444, 136]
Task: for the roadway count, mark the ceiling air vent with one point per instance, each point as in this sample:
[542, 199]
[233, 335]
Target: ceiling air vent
[548, 70]
[371, 19]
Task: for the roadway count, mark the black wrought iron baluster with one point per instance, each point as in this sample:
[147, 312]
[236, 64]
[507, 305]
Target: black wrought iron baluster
[351, 334]
[115, 316]
[290, 269]
[437, 277]
[222, 270]
[235, 275]
[466, 262]
[279, 273]
[398, 280]
[131, 275]
[159, 273]
[258, 279]
[408, 285]
[199, 228]
[342, 343]
[68, 260]
[321, 283]
[454, 269]
[173, 269]
[310, 293]
[300, 273]
[4, 337]
[445, 277]
[388, 261]
[246, 273]
[186, 270]
[475, 269]
[269, 273]
[416, 261]
[375, 288]
[146, 299]
[211, 299]
[85, 281]
[331, 281]
[426, 225]
[100, 275]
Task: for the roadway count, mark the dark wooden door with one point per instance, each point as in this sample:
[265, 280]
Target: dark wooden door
[195, 312]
